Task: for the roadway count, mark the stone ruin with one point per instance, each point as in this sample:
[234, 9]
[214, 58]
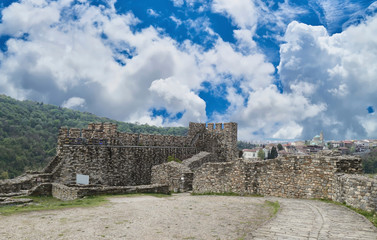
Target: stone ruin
[116, 162]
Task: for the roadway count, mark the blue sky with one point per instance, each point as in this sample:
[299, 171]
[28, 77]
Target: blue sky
[281, 69]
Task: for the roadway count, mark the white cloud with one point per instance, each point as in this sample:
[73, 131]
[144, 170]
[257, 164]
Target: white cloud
[176, 20]
[242, 12]
[340, 68]
[178, 3]
[74, 102]
[96, 61]
[152, 12]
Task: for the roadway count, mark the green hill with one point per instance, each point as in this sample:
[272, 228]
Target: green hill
[28, 132]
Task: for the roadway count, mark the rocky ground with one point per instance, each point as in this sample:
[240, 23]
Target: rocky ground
[183, 216]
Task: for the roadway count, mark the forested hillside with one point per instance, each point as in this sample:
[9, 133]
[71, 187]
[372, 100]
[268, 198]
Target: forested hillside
[28, 132]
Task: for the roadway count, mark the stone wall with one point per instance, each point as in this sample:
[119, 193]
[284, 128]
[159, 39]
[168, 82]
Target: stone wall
[23, 183]
[114, 166]
[113, 158]
[199, 159]
[217, 138]
[356, 190]
[292, 177]
[65, 193]
[177, 176]
[220, 178]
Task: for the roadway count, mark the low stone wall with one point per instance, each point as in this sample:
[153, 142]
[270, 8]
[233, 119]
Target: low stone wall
[356, 190]
[65, 193]
[198, 160]
[177, 176]
[220, 178]
[292, 177]
[44, 189]
[22, 183]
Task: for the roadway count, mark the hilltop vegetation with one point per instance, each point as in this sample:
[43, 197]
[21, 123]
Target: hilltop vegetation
[370, 162]
[28, 132]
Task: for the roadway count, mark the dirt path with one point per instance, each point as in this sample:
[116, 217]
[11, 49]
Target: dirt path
[191, 217]
[145, 217]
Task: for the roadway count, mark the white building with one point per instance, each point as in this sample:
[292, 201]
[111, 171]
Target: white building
[253, 153]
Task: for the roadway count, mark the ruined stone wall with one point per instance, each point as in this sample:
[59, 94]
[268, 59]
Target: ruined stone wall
[199, 159]
[64, 192]
[177, 176]
[23, 183]
[293, 177]
[221, 177]
[112, 165]
[356, 190]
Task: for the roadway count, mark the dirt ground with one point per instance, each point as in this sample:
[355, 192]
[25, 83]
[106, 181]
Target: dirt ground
[180, 216]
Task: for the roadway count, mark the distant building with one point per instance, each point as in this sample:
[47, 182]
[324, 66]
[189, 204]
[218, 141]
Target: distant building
[250, 153]
[253, 153]
[318, 140]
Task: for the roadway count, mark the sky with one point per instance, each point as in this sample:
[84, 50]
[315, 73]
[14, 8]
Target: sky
[280, 69]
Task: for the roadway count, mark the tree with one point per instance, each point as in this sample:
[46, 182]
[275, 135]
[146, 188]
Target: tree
[261, 154]
[4, 175]
[280, 147]
[274, 152]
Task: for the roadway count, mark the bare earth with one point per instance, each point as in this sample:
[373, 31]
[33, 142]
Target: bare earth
[191, 217]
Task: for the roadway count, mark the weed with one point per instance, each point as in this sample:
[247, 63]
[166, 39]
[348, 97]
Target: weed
[274, 205]
[370, 215]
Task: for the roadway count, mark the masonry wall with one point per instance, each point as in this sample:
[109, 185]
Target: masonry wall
[113, 158]
[114, 165]
[177, 176]
[64, 192]
[292, 177]
[23, 182]
[359, 191]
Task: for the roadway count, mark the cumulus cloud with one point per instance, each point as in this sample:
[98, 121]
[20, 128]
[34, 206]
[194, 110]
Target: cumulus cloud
[340, 68]
[77, 55]
[74, 102]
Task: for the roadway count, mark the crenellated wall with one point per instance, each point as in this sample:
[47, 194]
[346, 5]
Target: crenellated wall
[217, 138]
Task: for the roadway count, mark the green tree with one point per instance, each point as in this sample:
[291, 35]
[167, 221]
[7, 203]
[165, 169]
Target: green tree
[274, 152]
[261, 154]
[280, 147]
[4, 175]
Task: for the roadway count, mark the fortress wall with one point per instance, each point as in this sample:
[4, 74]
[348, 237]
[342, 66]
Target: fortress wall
[177, 176]
[222, 177]
[217, 138]
[356, 190]
[292, 177]
[114, 165]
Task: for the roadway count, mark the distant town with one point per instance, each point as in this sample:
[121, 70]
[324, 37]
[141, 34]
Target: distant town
[270, 150]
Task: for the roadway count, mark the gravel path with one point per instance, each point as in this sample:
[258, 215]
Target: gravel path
[191, 217]
[308, 219]
[181, 216]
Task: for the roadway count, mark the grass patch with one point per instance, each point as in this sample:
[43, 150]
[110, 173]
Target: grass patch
[226, 194]
[370, 215]
[50, 203]
[274, 205]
